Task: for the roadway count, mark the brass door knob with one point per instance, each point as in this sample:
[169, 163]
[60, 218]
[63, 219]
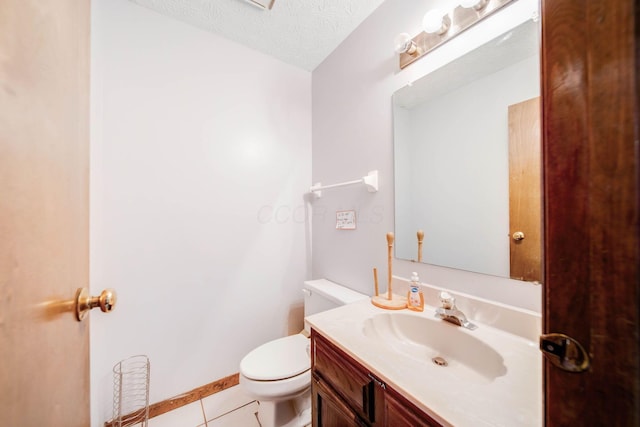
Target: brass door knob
[518, 235]
[106, 301]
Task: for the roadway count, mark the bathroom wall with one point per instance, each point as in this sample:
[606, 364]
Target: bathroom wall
[353, 133]
[200, 155]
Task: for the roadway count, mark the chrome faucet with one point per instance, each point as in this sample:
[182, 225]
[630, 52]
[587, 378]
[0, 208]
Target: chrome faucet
[449, 312]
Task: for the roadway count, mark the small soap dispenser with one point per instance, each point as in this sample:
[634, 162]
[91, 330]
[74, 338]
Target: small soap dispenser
[415, 298]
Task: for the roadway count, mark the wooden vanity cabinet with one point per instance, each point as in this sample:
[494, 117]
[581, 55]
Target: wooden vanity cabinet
[399, 412]
[345, 394]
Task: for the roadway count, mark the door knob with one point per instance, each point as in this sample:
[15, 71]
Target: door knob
[518, 235]
[84, 302]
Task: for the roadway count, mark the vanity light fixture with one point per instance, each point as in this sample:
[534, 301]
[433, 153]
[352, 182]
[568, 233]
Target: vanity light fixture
[441, 26]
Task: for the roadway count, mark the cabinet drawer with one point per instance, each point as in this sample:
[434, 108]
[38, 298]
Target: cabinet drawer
[349, 380]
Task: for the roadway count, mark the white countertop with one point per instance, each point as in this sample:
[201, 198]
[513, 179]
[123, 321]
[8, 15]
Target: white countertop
[511, 400]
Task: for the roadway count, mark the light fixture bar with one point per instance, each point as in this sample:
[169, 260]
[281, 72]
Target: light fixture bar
[462, 18]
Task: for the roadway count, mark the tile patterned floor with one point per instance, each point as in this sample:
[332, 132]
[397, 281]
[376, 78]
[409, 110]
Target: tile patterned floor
[243, 416]
[228, 408]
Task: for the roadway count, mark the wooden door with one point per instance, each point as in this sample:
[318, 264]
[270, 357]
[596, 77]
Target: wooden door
[44, 143]
[591, 159]
[525, 193]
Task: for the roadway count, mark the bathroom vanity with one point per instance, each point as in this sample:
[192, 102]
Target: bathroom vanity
[345, 393]
[376, 367]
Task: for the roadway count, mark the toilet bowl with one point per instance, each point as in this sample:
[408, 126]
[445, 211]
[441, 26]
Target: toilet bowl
[278, 373]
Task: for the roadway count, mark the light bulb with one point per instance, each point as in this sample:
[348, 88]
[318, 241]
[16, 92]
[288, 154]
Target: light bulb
[433, 22]
[403, 44]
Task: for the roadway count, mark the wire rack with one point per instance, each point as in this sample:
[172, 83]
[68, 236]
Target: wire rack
[131, 392]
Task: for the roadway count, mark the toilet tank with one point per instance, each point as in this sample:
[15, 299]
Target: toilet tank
[321, 295]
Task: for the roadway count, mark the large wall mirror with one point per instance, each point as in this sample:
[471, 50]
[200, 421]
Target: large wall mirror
[467, 161]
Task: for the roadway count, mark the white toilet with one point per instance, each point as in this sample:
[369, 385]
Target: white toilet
[278, 374]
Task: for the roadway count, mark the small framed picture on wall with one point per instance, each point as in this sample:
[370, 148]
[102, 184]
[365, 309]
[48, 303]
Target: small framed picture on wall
[345, 220]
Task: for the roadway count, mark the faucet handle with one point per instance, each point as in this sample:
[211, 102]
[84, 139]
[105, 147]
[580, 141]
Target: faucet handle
[447, 301]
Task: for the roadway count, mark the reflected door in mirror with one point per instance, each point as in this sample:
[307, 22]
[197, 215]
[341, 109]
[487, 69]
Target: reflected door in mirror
[524, 191]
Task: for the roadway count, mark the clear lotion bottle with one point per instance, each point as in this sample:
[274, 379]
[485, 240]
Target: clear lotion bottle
[415, 298]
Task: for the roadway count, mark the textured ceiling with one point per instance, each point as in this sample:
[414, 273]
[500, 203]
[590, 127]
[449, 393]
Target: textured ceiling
[299, 32]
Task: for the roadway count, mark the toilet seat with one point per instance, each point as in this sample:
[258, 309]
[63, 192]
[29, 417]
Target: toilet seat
[277, 360]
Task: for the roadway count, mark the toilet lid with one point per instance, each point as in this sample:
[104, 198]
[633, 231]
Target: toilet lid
[276, 360]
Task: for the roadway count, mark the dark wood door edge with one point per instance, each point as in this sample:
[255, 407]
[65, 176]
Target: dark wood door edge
[590, 54]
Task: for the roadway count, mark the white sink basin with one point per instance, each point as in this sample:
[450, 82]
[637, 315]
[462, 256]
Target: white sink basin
[434, 342]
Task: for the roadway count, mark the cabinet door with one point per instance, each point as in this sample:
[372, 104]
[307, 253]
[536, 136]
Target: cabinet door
[357, 387]
[329, 410]
[401, 413]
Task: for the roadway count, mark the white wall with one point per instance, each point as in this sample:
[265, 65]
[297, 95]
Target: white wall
[352, 134]
[201, 152]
